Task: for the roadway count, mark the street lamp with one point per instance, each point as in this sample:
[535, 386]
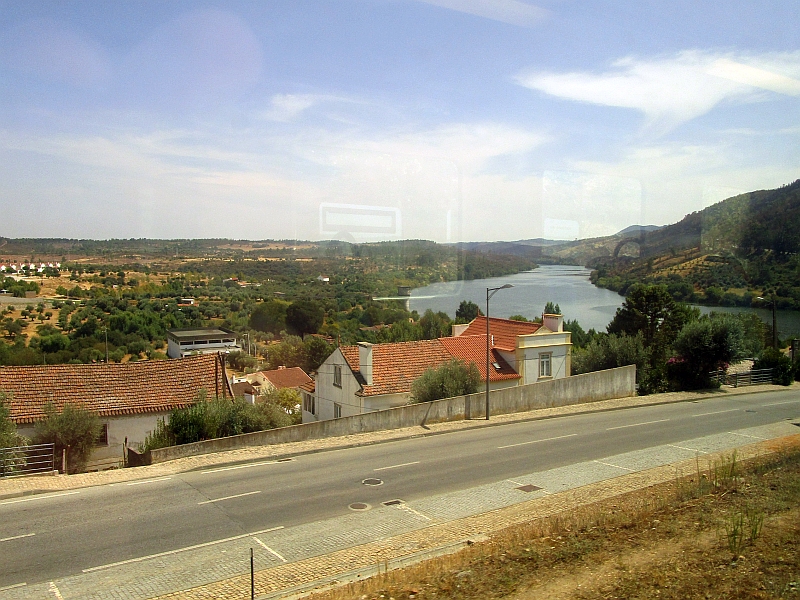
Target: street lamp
[488, 295]
[774, 321]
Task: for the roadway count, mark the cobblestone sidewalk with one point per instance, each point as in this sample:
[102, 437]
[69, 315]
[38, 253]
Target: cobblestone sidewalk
[49, 483]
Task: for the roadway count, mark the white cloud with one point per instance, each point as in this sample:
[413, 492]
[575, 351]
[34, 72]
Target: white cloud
[285, 107]
[512, 12]
[675, 89]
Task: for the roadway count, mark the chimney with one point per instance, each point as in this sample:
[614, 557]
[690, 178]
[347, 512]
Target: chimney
[553, 322]
[457, 330]
[365, 361]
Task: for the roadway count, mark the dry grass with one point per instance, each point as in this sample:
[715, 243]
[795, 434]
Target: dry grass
[730, 531]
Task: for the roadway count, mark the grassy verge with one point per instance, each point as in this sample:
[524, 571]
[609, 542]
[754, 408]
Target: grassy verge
[732, 530]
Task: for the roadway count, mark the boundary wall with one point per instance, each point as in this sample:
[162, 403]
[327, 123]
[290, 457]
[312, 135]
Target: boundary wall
[578, 389]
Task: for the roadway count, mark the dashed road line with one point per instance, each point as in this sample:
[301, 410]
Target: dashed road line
[179, 550]
[717, 412]
[268, 549]
[56, 591]
[515, 482]
[411, 510]
[32, 498]
[13, 587]
[755, 437]
[247, 466]
[615, 466]
[558, 437]
[779, 403]
[144, 481]
[229, 497]
[17, 537]
[637, 424]
[416, 462]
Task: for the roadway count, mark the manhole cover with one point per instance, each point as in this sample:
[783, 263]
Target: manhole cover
[392, 502]
[529, 488]
[359, 506]
[372, 481]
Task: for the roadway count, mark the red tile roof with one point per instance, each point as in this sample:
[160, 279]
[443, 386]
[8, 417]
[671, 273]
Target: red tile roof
[472, 349]
[112, 389]
[309, 387]
[505, 331]
[287, 378]
[396, 366]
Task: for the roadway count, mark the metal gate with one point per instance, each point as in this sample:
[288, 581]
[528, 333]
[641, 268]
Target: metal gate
[27, 460]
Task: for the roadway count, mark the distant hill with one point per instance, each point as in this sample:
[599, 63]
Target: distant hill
[638, 229]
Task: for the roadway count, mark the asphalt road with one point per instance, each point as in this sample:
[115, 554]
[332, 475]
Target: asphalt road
[55, 535]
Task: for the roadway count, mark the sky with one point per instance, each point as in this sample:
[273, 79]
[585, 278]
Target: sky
[364, 120]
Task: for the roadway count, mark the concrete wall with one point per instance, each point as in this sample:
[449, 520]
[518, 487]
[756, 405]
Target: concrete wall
[590, 387]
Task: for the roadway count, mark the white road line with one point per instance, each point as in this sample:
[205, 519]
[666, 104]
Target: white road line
[179, 550]
[615, 466]
[755, 437]
[149, 481]
[689, 449]
[779, 403]
[229, 497]
[32, 498]
[515, 482]
[268, 549]
[717, 412]
[56, 591]
[12, 587]
[416, 462]
[247, 466]
[559, 437]
[411, 510]
[636, 424]
[17, 537]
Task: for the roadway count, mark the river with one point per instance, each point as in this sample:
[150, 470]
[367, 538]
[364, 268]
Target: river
[567, 286]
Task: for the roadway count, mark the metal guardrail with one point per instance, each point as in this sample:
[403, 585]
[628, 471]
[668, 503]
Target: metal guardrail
[27, 460]
[755, 377]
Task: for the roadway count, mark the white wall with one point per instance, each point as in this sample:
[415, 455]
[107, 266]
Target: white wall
[327, 394]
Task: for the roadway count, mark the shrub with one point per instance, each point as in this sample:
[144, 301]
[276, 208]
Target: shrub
[451, 379]
[781, 365]
[74, 429]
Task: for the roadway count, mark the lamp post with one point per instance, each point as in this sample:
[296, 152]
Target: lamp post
[489, 295]
[774, 321]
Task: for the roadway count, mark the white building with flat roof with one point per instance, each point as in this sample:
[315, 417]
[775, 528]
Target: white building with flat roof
[201, 340]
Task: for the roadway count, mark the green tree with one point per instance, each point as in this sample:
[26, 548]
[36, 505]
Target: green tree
[288, 400]
[781, 365]
[72, 428]
[8, 430]
[651, 310]
[453, 378]
[305, 316]
[434, 325]
[552, 309]
[467, 311]
[316, 350]
[269, 316]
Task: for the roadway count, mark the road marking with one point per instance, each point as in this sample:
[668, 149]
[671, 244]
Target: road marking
[411, 510]
[615, 466]
[637, 424]
[247, 466]
[229, 497]
[11, 587]
[559, 437]
[755, 437]
[779, 403]
[149, 481]
[17, 537]
[416, 462]
[515, 482]
[689, 449]
[179, 550]
[268, 549]
[32, 498]
[717, 412]
[56, 591]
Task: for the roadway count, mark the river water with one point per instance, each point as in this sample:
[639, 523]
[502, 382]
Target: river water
[567, 286]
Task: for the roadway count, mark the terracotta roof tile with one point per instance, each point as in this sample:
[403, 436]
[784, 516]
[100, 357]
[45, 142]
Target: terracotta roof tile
[113, 389]
[505, 331]
[287, 378]
[472, 349]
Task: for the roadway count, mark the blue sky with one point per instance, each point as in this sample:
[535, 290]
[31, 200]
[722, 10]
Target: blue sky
[389, 119]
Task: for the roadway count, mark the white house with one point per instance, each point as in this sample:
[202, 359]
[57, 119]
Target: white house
[369, 377]
[201, 340]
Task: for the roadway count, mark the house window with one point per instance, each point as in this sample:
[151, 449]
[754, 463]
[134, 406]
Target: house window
[102, 437]
[337, 375]
[337, 411]
[309, 403]
[545, 365]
